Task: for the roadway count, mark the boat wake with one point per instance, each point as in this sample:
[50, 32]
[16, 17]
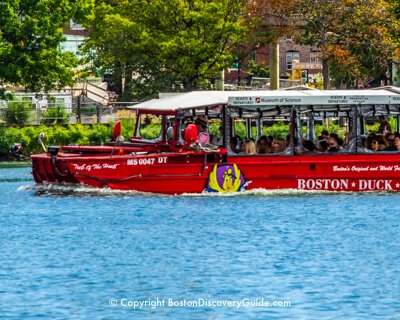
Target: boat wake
[82, 190]
[260, 192]
[76, 190]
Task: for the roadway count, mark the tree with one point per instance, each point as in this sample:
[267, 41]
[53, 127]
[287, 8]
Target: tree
[30, 35]
[165, 45]
[356, 37]
[256, 70]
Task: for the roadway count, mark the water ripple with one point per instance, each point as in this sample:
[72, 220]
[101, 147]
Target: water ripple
[67, 251]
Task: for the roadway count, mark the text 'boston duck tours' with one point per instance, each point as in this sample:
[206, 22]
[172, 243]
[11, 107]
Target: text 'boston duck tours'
[225, 141]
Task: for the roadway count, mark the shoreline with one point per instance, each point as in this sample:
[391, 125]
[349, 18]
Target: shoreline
[14, 164]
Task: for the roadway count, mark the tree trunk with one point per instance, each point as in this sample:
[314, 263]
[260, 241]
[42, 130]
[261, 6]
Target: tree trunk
[325, 74]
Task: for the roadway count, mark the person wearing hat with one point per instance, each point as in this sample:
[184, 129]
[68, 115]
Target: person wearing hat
[203, 136]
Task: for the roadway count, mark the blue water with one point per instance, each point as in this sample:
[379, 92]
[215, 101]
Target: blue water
[68, 254]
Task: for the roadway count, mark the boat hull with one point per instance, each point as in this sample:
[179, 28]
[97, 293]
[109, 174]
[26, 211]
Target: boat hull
[190, 172]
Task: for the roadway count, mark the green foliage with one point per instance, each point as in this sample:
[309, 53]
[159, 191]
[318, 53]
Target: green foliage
[127, 127]
[213, 128]
[375, 127]
[17, 112]
[55, 115]
[166, 46]
[56, 135]
[5, 143]
[240, 129]
[151, 131]
[256, 70]
[279, 129]
[4, 95]
[30, 37]
[332, 127]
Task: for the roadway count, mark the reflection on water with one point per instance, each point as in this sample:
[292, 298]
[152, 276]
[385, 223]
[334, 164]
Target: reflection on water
[70, 252]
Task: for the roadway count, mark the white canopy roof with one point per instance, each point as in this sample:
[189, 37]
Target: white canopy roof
[189, 100]
[256, 99]
[253, 100]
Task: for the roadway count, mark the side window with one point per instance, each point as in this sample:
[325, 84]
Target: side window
[149, 126]
[290, 56]
[259, 136]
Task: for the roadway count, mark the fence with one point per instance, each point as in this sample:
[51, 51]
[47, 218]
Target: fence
[25, 113]
[264, 83]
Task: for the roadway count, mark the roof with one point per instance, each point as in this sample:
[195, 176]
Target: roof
[253, 100]
[189, 100]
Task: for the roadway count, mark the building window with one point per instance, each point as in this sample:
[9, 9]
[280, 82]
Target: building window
[75, 26]
[288, 39]
[290, 56]
[72, 44]
[315, 56]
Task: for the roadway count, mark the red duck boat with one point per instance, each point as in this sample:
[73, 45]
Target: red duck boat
[171, 162]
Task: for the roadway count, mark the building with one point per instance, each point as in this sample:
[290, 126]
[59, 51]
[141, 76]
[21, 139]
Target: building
[75, 34]
[291, 57]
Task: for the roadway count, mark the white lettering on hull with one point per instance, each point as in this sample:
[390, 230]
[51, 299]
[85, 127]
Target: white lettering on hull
[366, 185]
[365, 168]
[94, 166]
[343, 184]
[323, 184]
[146, 161]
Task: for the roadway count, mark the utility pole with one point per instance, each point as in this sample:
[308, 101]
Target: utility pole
[274, 63]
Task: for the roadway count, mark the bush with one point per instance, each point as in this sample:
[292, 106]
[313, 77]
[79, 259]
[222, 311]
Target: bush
[5, 143]
[57, 135]
[55, 115]
[151, 131]
[17, 112]
[127, 128]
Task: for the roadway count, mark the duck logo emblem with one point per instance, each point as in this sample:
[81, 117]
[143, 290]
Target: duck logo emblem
[226, 178]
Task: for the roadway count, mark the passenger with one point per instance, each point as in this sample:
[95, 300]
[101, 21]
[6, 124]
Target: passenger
[374, 145]
[262, 146]
[249, 147]
[322, 146]
[278, 145]
[203, 137]
[397, 142]
[381, 141]
[234, 144]
[390, 137]
[333, 145]
[384, 126]
[340, 142]
[376, 142]
[324, 135]
[309, 146]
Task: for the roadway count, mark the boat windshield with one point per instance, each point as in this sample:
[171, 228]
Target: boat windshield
[149, 127]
